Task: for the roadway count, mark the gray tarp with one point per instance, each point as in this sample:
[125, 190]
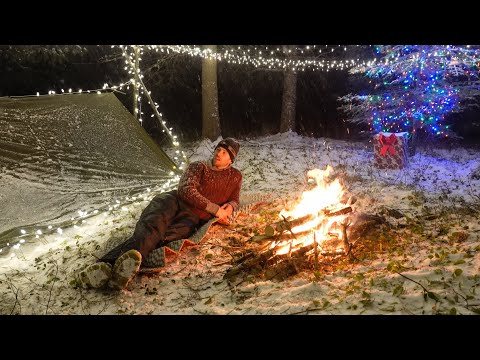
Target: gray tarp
[64, 153]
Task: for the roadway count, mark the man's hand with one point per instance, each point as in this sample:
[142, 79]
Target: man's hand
[224, 211]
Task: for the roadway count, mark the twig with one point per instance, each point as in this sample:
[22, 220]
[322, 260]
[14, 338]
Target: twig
[347, 246]
[467, 306]
[306, 311]
[200, 312]
[425, 291]
[222, 263]
[179, 271]
[463, 297]
[15, 291]
[53, 283]
[33, 282]
[225, 249]
[81, 301]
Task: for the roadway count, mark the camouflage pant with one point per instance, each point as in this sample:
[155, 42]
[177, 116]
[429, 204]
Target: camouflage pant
[165, 219]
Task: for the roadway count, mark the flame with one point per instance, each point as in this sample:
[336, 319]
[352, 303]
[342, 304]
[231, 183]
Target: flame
[324, 195]
[327, 194]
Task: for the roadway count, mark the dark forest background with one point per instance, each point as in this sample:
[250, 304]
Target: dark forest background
[249, 98]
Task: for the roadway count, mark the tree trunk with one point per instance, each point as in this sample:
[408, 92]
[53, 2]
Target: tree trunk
[412, 141]
[289, 101]
[210, 116]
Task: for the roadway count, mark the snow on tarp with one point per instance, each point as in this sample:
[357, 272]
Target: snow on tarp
[64, 153]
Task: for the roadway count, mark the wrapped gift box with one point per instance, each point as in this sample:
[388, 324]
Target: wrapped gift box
[390, 150]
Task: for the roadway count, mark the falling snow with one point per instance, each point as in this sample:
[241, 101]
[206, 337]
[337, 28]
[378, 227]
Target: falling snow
[434, 269]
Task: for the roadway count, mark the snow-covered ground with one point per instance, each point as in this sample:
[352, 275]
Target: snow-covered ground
[426, 263]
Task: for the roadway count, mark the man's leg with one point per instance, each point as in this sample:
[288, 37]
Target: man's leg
[150, 228]
[125, 269]
[154, 222]
[118, 250]
[95, 275]
[182, 226]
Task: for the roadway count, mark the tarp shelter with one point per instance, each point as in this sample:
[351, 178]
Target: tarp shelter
[63, 153]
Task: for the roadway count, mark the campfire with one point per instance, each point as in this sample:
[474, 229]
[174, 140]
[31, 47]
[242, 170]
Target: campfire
[320, 215]
[316, 224]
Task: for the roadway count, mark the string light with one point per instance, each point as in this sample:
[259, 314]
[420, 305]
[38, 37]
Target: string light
[116, 88]
[42, 230]
[240, 56]
[110, 209]
[417, 86]
[259, 60]
[133, 67]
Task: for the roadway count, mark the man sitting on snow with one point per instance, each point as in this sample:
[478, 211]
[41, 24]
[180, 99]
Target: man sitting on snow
[206, 189]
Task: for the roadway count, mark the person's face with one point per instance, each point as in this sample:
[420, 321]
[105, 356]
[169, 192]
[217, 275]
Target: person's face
[221, 158]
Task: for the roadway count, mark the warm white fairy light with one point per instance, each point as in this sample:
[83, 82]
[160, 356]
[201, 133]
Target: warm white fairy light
[259, 60]
[168, 185]
[79, 91]
[133, 68]
[165, 187]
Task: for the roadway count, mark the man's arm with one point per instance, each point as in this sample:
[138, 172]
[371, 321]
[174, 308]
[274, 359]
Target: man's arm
[188, 189]
[232, 204]
[234, 199]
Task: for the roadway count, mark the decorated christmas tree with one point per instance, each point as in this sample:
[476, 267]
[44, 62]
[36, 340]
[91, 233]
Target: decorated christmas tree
[414, 87]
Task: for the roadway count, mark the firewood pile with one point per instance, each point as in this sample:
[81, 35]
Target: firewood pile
[259, 236]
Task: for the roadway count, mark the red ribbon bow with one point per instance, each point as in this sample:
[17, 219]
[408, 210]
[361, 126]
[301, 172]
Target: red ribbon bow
[387, 144]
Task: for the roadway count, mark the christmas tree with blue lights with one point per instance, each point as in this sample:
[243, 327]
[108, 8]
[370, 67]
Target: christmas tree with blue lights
[414, 87]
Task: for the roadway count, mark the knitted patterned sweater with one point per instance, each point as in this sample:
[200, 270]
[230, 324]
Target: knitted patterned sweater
[206, 189]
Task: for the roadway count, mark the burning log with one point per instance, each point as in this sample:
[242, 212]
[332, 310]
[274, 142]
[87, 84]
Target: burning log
[287, 225]
[286, 263]
[324, 203]
[345, 210]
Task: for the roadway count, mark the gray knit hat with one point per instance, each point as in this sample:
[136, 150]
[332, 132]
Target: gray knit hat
[231, 145]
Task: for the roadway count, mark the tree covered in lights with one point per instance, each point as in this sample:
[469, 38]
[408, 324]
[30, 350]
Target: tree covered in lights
[414, 88]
